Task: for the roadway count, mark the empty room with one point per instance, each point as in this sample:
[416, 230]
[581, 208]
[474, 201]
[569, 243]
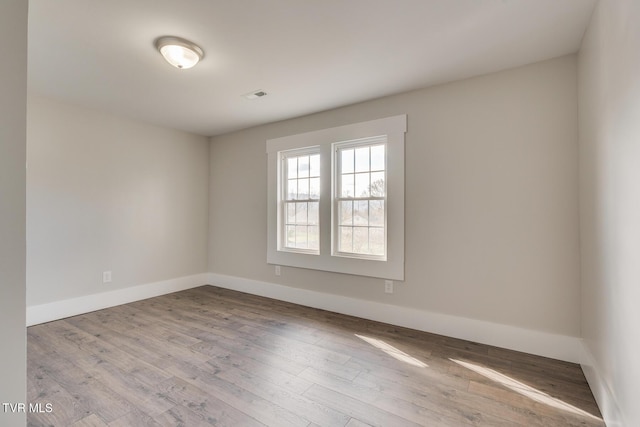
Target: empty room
[320, 213]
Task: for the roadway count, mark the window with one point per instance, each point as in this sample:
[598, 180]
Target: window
[359, 199]
[300, 183]
[336, 199]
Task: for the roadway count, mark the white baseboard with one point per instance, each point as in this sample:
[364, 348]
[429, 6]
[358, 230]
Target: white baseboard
[559, 347]
[48, 312]
[600, 388]
[529, 341]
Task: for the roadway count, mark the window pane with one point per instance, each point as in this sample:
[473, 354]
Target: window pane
[377, 184]
[303, 167]
[346, 239]
[377, 158]
[376, 241]
[362, 185]
[291, 213]
[314, 188]
[292, 189]
[313, 237]
[303, 189]
[361, 212]
[314, 165]
[362, 159]
[347, 161]
[346, 213]
[292, 167]
[301, 213]
[301, 236]
[290, 239]
[360, 240]
[376, 213]
[347, 186]
[313, 215]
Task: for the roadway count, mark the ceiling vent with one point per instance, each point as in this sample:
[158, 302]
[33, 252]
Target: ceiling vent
[255, 94]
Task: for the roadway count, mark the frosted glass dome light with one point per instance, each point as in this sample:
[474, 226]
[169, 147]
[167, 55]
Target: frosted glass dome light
[179, 52]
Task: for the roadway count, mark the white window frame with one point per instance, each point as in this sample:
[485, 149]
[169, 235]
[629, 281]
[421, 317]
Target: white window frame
[392, 267]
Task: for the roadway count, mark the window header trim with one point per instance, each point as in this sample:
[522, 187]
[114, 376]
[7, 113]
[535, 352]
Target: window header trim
[351, 132]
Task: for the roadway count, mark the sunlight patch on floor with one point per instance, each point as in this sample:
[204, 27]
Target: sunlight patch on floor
[523, 389]
[393, 352]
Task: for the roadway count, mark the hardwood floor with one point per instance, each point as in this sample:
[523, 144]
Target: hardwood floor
[210, 356]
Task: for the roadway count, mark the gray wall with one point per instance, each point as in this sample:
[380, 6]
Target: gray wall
[609, 95]
[13, 94]
[491, 199]
[108, 193]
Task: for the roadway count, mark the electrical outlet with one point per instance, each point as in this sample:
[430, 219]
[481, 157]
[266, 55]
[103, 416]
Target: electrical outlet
[278, 270]
[106, 277]
[388, 286]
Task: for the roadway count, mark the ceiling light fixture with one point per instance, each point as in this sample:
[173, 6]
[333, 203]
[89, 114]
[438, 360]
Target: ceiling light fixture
[179, 52]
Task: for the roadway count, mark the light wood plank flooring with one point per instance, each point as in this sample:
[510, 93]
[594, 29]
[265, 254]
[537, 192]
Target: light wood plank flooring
[210, 356]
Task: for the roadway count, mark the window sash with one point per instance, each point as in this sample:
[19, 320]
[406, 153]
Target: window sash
[340, 230]
[299, 235]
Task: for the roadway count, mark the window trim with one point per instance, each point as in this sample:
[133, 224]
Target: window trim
[393, 268]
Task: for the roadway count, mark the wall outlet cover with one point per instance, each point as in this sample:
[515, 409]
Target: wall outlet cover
[388, 286]
[106, 277]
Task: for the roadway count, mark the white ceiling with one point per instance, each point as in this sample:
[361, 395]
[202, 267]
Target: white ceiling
[308, 55]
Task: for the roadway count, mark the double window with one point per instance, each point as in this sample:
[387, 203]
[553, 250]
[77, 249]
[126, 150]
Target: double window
[336, 199]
